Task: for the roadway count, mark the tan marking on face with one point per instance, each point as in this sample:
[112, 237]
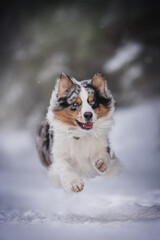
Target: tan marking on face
[68, 117]
[102, 111]
[90, 98]
[78, 100]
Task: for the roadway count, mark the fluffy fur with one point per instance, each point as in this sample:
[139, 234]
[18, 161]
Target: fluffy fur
[73, 141]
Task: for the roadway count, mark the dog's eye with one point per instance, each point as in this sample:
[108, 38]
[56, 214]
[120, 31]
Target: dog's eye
[92, 102]
[75, 104]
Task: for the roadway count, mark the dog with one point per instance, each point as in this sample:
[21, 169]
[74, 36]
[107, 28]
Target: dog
[73, 141]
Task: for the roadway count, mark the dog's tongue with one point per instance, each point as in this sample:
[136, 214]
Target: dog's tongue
[88, 125]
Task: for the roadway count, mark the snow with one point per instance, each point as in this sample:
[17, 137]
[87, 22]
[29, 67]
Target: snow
[123, 207]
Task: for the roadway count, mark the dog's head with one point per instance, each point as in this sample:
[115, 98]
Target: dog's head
[81, 104]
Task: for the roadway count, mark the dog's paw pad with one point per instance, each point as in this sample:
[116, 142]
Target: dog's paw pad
[77, 186]
[100, 165]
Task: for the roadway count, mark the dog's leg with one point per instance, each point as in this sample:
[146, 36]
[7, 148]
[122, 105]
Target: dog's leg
[61, 174]
[101, 165]
[110, 166]
[101, 161]
[71, 181]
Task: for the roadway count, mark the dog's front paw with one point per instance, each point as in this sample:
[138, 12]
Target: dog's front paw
[77, 185]
[100, 165]
[73, 184]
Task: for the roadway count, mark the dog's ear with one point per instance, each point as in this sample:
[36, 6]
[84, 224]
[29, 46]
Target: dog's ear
[65, 83]
[99, 82]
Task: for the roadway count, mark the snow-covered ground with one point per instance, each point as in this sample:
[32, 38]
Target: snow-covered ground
[123, 207]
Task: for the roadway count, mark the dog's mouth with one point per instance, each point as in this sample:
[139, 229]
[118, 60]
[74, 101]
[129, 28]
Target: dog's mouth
[86, 126]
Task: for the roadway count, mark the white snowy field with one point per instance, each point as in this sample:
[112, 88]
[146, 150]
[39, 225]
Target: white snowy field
[123, 207]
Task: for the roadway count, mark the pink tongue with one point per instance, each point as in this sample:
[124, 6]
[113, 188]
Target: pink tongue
[88, 125]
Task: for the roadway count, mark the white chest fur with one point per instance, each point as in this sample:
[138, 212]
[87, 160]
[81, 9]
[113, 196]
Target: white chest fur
[80, 153]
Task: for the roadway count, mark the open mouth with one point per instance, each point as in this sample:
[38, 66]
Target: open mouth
[86, 126]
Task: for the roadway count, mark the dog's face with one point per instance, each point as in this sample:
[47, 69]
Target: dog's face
[81, 104]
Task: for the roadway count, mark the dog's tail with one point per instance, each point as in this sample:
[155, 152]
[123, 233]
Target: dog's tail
[44, 142]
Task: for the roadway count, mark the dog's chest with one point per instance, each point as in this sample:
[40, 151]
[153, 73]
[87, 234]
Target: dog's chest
[82, 152]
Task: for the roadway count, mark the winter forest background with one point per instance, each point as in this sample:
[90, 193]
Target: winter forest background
[38, 41]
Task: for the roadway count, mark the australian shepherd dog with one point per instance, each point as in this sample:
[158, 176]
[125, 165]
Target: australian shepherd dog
[73, 140]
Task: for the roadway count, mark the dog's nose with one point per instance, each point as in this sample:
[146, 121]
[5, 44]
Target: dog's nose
[88, 115]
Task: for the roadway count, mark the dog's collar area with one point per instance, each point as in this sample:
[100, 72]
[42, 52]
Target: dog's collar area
[76, 138]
